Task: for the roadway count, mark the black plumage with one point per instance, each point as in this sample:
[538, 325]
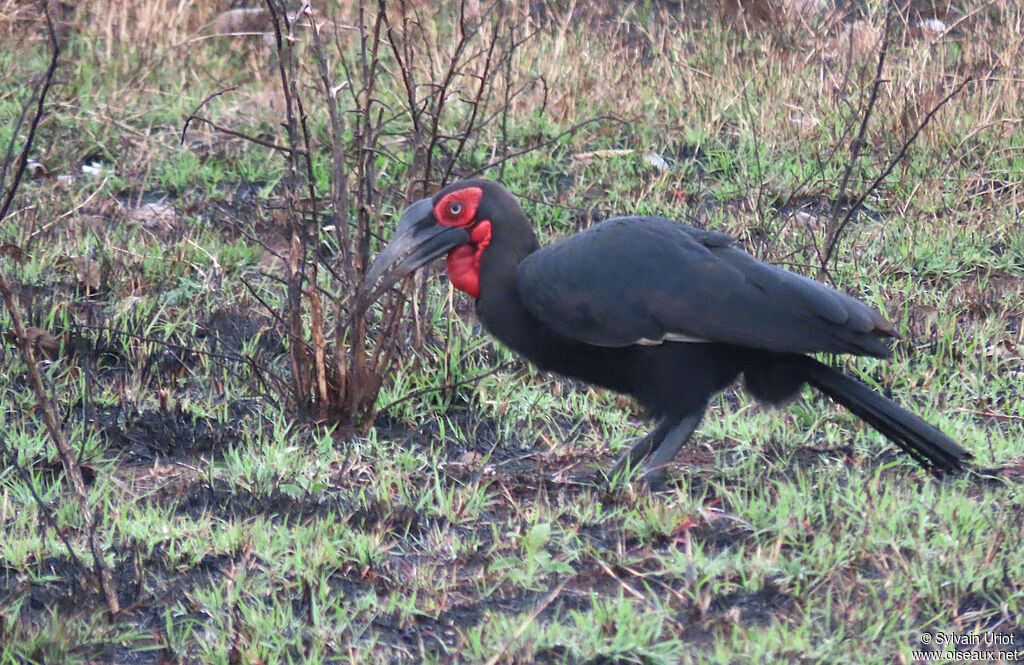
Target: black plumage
[655, 309]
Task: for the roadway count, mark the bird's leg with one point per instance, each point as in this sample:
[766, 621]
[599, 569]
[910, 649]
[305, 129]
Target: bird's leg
[642, 448]
[659, 447]
[669, 447]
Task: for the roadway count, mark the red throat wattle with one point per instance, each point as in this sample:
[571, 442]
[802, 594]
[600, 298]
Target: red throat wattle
[459, 208]
[464, 262]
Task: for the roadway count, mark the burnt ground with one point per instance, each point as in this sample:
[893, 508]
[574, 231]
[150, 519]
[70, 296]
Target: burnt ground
[182, 421]
[169, 451]
[151, 587]
[472, 522]
[160, 452]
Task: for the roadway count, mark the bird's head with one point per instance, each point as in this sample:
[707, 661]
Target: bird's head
[460, 220]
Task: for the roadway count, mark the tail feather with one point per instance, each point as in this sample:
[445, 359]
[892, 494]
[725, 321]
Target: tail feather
[923, 441]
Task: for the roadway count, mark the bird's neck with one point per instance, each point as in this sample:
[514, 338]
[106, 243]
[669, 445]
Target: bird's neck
[498, 305]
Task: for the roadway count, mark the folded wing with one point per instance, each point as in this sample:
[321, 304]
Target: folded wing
[644, 280]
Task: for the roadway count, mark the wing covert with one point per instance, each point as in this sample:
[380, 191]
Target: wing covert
[633, 280]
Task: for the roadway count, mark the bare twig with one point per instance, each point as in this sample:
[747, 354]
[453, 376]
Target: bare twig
[9, 156]
[474, 104]
[12, 462]
[260, 372]
[33, 125]
[835, 228]
[836, 235]
[224, 130]
[241, 135]
[298, 246]
[543, 144]
[339, 180]
[342, 383]
[448, 386]
[69, 461]
[530, 618]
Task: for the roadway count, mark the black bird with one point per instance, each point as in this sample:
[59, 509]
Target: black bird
[653, 308]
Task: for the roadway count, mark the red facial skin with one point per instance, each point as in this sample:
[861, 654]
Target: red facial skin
[458, 208]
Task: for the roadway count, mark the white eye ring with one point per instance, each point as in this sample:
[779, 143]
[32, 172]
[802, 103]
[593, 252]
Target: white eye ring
[454, 208]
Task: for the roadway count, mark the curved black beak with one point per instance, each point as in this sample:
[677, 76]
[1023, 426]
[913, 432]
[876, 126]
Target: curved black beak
[418, 240]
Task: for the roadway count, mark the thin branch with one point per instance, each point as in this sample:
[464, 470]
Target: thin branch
[339, 180]
[246, 137]
[9, 156]
[241, 359]
[36, 118]
[530, 618]
[67, 455]
[203, 103]
[856, 146]
[12, 461]
[475, 103]
[543, 144]
[442, 96]
[299, 241]
[448, 386]
[876, 183]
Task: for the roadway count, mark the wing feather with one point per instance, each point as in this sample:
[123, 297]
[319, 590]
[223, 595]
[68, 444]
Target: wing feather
[633, 280]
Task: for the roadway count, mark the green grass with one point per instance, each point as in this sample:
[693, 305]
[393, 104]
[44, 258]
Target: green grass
[466, 526]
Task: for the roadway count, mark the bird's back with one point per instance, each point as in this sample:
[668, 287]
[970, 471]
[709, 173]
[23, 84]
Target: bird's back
[641, 280]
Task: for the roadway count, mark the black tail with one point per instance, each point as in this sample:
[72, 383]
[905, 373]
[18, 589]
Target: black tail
[924, 442]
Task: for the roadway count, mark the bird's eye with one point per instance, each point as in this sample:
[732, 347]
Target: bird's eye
[454, 208]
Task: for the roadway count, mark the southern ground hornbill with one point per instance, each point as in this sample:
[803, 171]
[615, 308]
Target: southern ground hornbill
[655, 309]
